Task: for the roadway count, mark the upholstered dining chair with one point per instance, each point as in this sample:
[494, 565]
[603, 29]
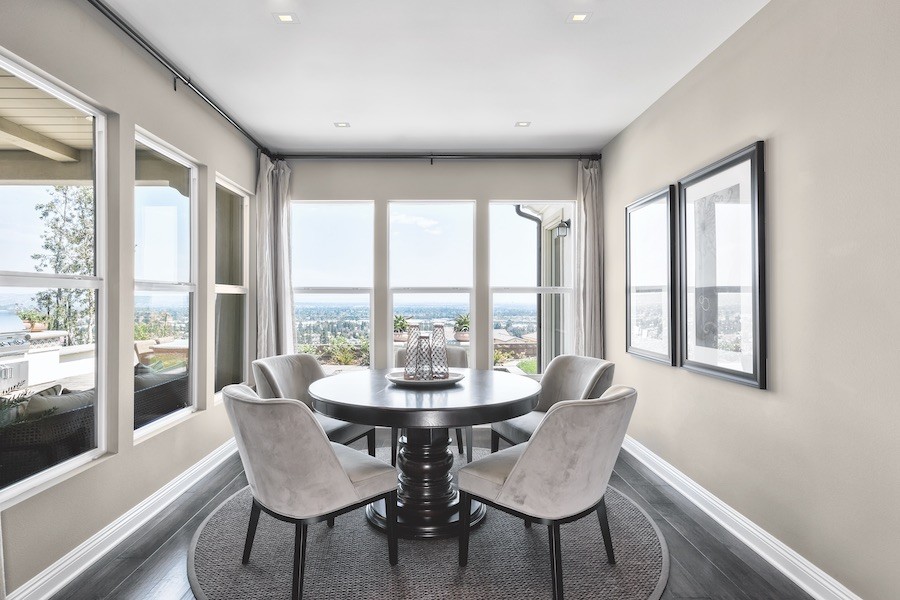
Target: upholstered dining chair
[289, 376]
[296, 475]
[559, 476]
[567, 377]
[457, 358]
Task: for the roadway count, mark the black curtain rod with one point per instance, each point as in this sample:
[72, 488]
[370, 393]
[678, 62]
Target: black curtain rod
[433, 157]
[175, 71]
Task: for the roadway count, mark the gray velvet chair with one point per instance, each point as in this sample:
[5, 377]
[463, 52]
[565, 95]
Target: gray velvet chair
[560, 475]
[567, 377]
[298, 476]
[457, 358]
[289, 376]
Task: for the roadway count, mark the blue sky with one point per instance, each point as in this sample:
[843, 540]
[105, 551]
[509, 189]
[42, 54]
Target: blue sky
[430, 244]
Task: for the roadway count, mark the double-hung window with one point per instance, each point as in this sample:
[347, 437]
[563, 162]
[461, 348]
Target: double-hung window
[531, 283]
[332, 271]
[52, 289]
[432, 268]
[232, 284]
[165, 272]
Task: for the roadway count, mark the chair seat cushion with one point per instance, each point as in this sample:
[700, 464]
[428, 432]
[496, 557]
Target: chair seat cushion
[341, 432]
[486, 476]
[369, 476]
[519, 429]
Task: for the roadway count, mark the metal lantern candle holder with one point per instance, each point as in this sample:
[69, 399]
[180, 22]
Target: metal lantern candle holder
[412, 346]
[426, 354]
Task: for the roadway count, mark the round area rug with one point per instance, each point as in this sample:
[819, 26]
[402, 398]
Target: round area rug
[506, 559]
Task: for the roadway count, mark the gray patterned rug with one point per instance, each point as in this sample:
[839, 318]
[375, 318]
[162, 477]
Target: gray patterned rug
[350, 561]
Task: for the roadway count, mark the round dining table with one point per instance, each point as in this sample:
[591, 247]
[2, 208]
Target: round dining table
[427, 500]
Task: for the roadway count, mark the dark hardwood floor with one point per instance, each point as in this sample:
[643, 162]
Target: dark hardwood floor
[707, 562]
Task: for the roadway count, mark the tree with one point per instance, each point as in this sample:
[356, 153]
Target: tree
[68, 247]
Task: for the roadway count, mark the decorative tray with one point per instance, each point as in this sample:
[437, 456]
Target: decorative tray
[396, 377]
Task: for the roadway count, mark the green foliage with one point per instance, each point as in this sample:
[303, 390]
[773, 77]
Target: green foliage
[158, 325]
[461, 323]
[340, 351]
[501, 357]
[68, 247]
[400, 324]
[528, 365]
[33, 316]
[306, 349]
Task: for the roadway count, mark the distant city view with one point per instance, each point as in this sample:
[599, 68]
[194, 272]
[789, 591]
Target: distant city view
[338, 333]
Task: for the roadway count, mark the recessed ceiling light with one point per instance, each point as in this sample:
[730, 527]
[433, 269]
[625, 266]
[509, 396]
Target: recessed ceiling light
[578, 18]
[523, 123]
[285, 18]
[342, 124]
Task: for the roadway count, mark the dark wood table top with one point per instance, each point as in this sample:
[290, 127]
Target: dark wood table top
[366, 397]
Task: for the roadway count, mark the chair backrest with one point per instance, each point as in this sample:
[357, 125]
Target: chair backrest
[566, 466]
[570, 377]
[290, 464]
[287, 376]
[457, 357]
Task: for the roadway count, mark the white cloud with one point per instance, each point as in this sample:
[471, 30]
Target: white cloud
[426, 225]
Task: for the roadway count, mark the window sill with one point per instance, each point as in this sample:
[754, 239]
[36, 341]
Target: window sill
[164, 424]
[48, 478]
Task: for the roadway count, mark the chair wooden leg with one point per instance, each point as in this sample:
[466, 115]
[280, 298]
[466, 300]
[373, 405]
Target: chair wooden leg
[331, 522]
[459, 439]
[469, 435]
[604, 528]
[394, 435]
[299, 561]
[251, 531]
[495, 441]
[556, 561]
[391, 509]
[370, 437]
[465, 510]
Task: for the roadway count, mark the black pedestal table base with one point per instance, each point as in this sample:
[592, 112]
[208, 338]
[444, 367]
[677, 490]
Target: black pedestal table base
[427, 501]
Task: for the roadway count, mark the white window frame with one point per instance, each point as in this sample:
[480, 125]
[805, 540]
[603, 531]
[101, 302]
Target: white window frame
[369, 290]
[568, 292]
[21, 490]
[239, 290]
[145, 138]
[470, 290]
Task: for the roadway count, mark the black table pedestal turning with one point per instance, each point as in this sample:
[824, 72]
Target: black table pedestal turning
[427, 500]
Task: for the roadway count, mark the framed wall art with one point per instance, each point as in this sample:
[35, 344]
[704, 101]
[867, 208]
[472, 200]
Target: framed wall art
[650, 276]
[722, 269]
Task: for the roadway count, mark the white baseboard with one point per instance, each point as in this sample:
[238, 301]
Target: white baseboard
[815, 581]
[53, 578]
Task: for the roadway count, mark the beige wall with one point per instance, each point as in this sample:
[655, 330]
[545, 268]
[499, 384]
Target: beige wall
[71, 42]
[814, 459]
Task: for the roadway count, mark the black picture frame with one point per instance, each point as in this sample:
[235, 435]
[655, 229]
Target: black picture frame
[722, 294]
[660, 350]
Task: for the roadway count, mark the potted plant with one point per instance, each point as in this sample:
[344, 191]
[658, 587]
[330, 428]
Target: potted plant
[401, 328]
[461, 328]
[34, 320]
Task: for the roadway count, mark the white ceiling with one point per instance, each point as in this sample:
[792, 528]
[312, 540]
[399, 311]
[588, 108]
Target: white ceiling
[436, 76]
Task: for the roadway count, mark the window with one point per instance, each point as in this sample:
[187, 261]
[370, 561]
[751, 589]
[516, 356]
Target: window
[432, 267]
[165, 275]
[51, 281]
[332, 272]
[531, 249]
[360, 267]
[232, 285]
